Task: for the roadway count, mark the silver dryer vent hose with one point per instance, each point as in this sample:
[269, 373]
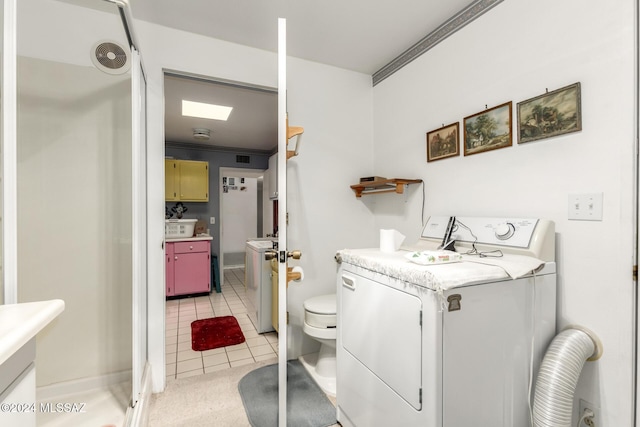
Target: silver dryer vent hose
[559, 373]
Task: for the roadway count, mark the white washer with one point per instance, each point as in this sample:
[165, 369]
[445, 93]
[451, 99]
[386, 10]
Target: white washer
[258, 284]
[410, 352]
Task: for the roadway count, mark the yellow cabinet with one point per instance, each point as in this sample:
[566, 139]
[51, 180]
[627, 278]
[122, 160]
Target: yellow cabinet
[194, 181]
[186, 180]
[171, 179]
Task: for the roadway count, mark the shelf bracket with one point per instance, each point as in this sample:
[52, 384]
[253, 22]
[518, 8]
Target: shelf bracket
[292, 131]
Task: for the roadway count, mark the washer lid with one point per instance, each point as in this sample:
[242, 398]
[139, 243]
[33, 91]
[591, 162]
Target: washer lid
[323, 304]
[260, 244]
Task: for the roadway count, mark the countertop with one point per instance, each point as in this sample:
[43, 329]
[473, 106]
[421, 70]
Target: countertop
[21, 322]
[188, 239]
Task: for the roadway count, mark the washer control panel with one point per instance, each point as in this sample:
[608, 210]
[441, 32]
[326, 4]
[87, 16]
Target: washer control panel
[505, 231]
[510, 232]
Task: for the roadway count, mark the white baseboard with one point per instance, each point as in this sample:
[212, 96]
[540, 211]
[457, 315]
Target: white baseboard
[81, 385]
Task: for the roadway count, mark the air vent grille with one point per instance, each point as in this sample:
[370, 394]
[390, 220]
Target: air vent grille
[110, 57]
[243, 159]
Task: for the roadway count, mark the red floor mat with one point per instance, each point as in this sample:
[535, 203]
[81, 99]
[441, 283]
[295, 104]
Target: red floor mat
[215, 332]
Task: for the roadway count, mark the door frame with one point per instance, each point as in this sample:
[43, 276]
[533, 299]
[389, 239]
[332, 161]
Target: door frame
[139, 224]
[8, 172]
[157, 264]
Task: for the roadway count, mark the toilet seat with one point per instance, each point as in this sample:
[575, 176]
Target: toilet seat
[320, 311]
[320, 334]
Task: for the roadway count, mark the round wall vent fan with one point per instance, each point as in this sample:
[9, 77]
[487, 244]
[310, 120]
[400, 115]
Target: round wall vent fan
[110, 57]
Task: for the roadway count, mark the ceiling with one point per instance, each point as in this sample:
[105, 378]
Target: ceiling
[252, 124]
[358, 35]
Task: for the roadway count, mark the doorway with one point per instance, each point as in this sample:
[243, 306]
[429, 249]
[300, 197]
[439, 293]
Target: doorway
[245, 213]
[237, 148]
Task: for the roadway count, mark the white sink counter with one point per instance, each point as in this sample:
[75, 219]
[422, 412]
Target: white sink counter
[189, 239]
[19, 323]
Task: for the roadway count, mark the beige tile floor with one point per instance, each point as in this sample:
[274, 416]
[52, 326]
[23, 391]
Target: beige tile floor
[183, 362]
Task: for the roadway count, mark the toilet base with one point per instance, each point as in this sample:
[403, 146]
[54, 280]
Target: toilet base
[321, 363]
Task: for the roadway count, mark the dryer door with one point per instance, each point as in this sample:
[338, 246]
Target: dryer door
[381, 327]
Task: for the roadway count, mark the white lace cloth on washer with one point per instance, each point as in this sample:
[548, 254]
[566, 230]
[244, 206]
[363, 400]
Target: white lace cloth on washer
[440, 277]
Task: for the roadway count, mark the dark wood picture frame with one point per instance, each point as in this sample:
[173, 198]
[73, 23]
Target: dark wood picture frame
[550, 114]
[488, 130]
[443, 142]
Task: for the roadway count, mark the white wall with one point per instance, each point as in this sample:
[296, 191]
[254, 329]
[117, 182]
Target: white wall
[515, 52]
[335, 108]
[333, 105]
[48, 29]
[240, 211]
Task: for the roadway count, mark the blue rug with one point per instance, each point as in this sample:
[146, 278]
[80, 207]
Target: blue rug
[307, 404]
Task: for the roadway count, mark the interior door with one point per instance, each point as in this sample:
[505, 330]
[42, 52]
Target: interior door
[637, 221]
[282, 223]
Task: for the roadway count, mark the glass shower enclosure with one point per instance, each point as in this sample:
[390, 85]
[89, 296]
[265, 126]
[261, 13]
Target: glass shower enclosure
[76, 180]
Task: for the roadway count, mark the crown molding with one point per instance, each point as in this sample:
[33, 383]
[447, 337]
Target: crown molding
[455, 23]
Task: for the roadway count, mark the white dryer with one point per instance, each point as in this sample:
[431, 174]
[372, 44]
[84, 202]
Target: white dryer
[454, 344]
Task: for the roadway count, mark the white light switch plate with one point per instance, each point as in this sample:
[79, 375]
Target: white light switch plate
[585, 207]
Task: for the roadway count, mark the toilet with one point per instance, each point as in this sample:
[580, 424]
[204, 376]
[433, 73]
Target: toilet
[320, 324]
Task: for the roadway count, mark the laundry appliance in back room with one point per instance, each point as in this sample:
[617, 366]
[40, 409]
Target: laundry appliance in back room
[258, 283]
[446, 344]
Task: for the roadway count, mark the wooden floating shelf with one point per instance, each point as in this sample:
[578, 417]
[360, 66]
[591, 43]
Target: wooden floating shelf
[395, 185]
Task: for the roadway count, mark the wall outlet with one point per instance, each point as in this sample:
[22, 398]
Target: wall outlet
[585, 207]
[212, 220]
[589, 422]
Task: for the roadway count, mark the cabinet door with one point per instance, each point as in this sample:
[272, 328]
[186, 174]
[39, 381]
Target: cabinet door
[170, 273]
[194, 181]
[398, 331]
[22, 392]
[192, 272]
[170, 179]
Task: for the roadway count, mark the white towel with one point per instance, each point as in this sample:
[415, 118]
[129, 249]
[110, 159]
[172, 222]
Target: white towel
[514, 265]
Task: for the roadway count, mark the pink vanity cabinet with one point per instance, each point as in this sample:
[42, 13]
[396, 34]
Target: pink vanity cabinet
[188, 266]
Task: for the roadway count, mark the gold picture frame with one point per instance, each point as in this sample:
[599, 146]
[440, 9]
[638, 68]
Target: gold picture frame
[443, 142]
[488, 130]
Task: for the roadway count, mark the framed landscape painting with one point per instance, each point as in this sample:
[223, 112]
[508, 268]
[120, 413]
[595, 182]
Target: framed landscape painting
[443, 142]
[488, 130]
[550, 114]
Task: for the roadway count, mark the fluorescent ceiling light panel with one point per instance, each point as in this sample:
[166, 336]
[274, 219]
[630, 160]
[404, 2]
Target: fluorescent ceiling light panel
[205, 111]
